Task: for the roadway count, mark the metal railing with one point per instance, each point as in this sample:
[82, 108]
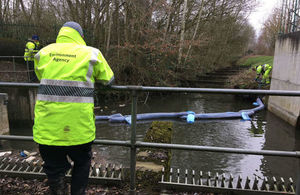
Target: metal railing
[133, 144]
[14, 67]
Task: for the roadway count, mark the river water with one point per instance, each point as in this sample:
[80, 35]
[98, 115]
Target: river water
[264, 132]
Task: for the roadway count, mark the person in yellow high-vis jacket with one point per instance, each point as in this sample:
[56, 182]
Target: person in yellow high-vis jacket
[31, 48]
[263, 73]
[64, 123]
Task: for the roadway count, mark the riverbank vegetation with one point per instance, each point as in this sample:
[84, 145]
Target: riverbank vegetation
[246, 78]
[265, 46]
[157, 43]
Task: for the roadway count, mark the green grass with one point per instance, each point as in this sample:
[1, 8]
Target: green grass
[256, 60]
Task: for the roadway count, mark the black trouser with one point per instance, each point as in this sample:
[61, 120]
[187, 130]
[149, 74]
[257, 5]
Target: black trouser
[32, 76]
[56, 164]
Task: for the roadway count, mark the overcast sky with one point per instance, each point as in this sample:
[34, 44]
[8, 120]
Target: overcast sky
[261, 13]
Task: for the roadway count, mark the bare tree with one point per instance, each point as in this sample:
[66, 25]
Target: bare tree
[109, 15]
[270, 30]
[182, 32]
[195, 32]
[144, 36]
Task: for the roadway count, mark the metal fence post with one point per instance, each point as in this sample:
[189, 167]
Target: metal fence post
[133, 141]
[28, 73]
[14, 64]
[14, 67]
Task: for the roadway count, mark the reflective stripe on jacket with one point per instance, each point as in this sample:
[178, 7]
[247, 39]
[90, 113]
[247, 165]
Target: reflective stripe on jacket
[64, 110]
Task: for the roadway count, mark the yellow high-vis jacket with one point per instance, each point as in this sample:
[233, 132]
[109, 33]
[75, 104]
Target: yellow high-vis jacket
[67, 70]
[265, 71]
[31, 49]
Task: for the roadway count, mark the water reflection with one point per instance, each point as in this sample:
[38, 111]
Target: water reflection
[280, 136]
[221, 133]
[257, 129]
[264, 132]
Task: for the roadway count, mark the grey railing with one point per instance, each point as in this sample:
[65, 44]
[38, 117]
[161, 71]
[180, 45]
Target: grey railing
[14, 69]
[133, 144]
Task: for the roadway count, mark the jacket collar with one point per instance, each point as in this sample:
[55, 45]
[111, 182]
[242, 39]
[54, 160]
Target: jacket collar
[69, 35]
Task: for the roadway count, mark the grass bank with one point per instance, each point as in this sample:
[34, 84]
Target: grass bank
[246, 79]
[255, 60]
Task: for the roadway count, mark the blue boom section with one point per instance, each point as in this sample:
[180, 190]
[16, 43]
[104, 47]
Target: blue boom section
[189, 116]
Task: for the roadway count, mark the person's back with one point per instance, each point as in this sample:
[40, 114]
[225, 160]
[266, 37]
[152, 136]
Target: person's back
[64, 117]
[67, 76]
[263, 73]
[31, 48]
[267, 73]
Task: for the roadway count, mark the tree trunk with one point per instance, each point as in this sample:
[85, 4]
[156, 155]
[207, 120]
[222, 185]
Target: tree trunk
[1, 17]
[195, 32]
[182, 32]
[126, 20]
[168, 21]
[109, 28]
[38, 11]
[117, 25]
[23, 9]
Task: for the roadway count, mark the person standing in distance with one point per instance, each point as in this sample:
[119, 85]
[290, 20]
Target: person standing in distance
[31, 48]
[64, 123]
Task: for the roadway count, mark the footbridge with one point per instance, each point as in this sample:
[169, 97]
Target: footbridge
[172, 178]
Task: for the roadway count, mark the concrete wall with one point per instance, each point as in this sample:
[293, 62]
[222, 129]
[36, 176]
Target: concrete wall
[286, 76]
[4, 124]
[20, 106]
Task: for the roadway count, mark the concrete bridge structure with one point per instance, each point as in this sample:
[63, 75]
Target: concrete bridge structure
[286, 76]
[4, 125]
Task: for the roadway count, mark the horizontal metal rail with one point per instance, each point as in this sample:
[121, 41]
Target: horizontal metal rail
[96, 141]
[220, 149]
[139, 144]
[13, 57]
[17, 71]
[208, 90]
[176, 89]
[13, 84]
